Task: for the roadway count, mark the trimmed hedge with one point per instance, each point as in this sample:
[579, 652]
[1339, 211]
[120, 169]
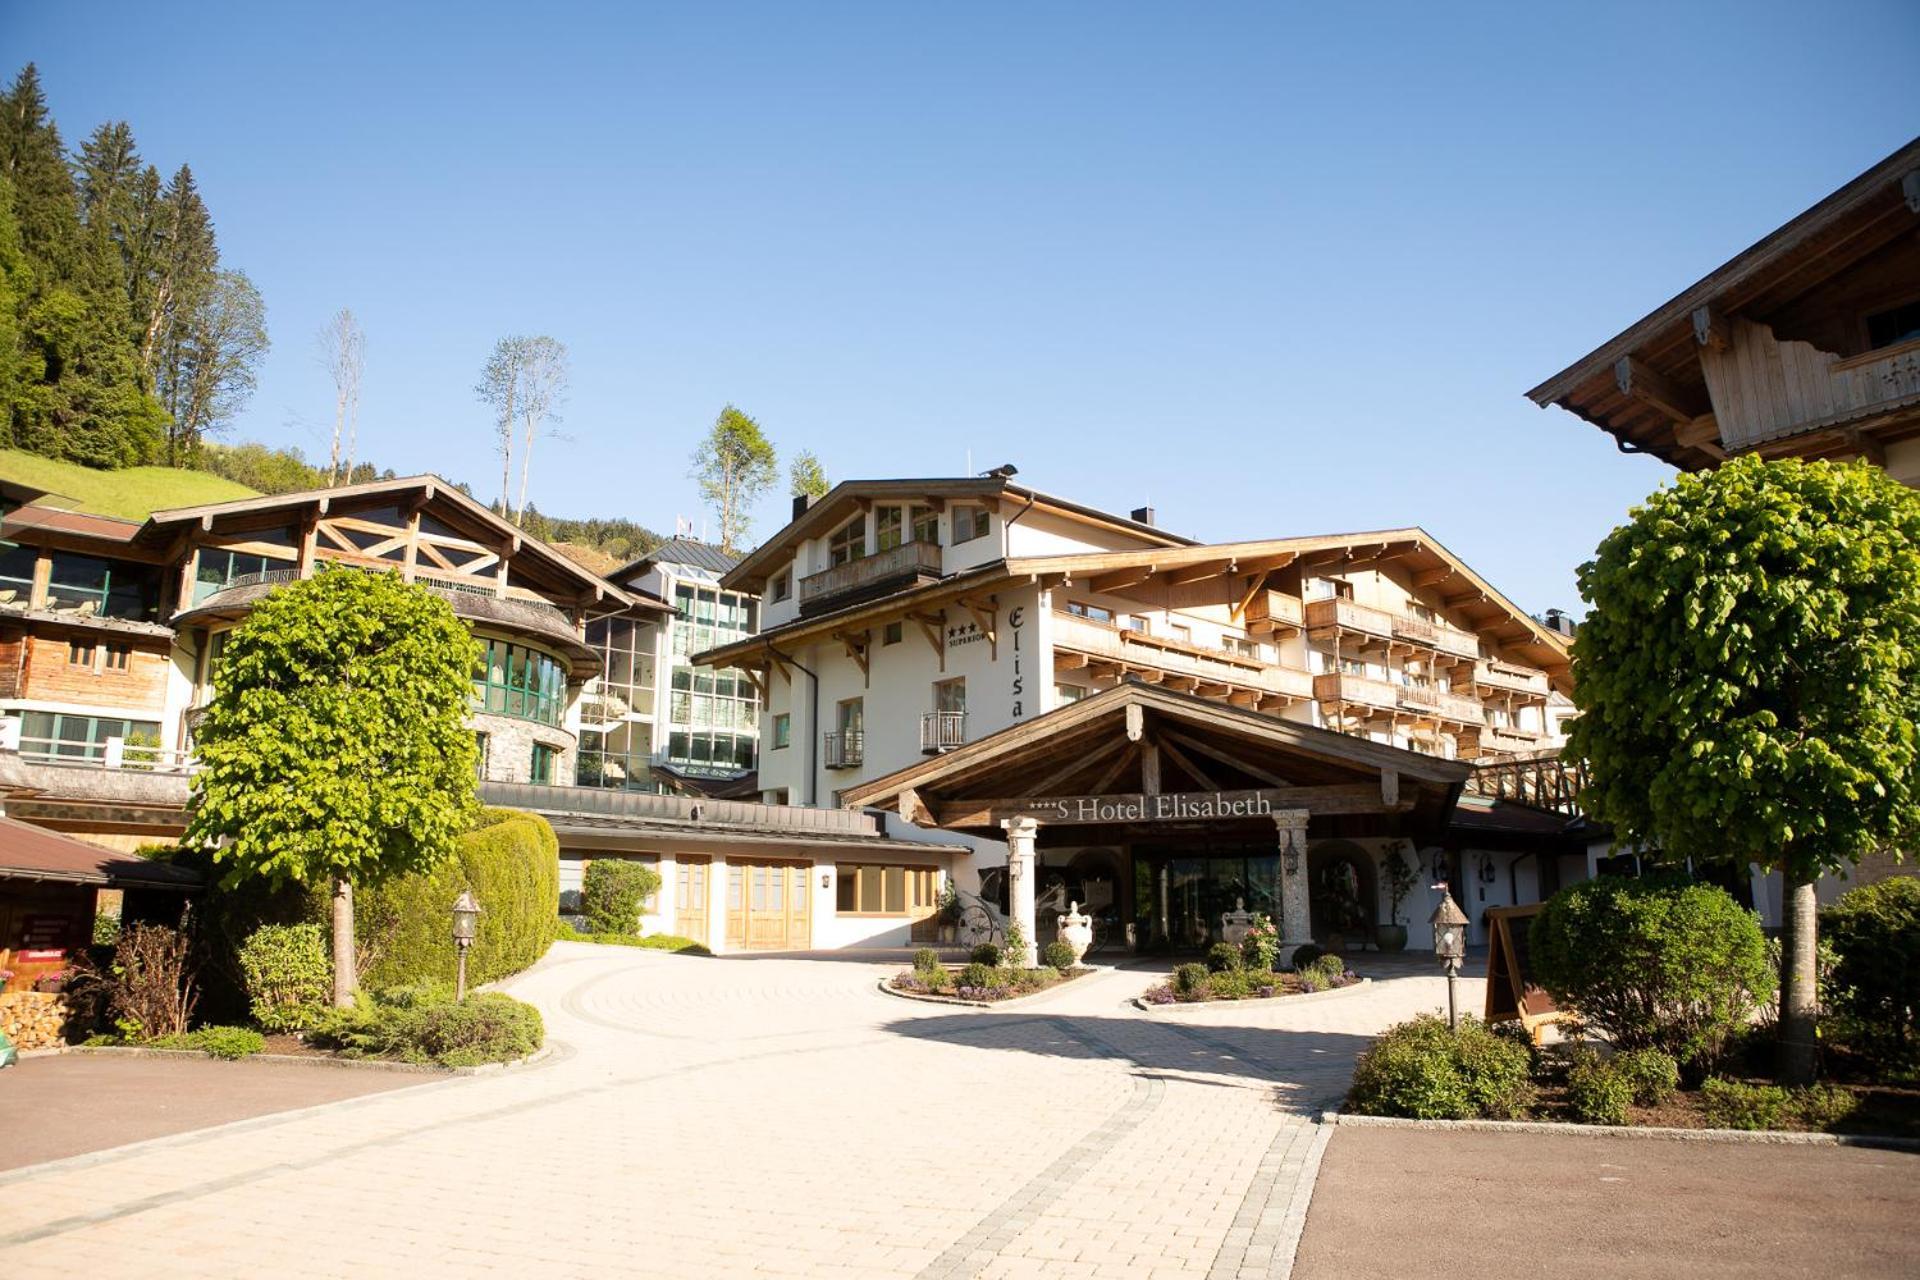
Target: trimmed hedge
[510, 862]
[1875, 932]
[614, 891]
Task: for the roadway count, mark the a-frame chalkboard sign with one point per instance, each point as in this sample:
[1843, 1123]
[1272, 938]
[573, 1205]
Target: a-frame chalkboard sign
[1512, 992]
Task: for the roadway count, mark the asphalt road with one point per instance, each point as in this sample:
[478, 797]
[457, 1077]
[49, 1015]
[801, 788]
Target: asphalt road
[72, 1103]
[1402, 1202]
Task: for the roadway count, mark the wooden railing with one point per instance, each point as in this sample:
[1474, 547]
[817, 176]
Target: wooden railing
[1365, 619]
[1102, 642]
[907, 560]
[1508, 678]
[1341, 686]
[1494, 740]
[1543, 780]
[1273, 611]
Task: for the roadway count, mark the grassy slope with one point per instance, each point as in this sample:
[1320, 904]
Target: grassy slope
[132, 494]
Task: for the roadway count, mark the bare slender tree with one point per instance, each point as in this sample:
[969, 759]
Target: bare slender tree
[343, 347]
[543, 388]
[499, 386]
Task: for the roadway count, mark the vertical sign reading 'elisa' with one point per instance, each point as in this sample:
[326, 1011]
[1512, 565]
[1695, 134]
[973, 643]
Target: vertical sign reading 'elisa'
[1015, 624]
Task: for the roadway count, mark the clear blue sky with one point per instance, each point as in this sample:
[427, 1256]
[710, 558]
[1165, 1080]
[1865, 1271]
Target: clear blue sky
[1277, 269]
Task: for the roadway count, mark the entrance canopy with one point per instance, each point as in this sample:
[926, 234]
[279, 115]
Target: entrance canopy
[1140, 762]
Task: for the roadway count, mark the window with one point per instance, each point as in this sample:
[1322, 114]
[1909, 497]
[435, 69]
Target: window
[92, 587]
[849, 542]
[1896, 325]
[1181, 631]
[950, 695]
[1136, 622]
[892, 633]
[782, 731]
[80, 653]
[1421, 612]
[925, 522]
[16, 575]
[863, 890]
[1091, 612]
[781, 588]
[219, 568]
[542, 768]
[1238, 645]
[47, 735]
[850, 716]
[1065, 693]
[119, 657]
[525, 683]
[887, 525]
[969, 523]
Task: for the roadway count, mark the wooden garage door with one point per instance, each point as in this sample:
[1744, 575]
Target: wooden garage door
[767, 906]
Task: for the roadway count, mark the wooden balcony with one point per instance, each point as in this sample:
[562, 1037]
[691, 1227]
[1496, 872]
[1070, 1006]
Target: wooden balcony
[1499, 740]
[1273, 613]
[1329, 619]
[910, 564]
[1113, 651]
[1368, 696]
[1507, 678]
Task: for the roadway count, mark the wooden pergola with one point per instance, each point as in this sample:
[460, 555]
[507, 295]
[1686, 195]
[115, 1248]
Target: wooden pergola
[1140, 763]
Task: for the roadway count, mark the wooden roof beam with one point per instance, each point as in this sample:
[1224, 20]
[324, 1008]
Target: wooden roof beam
[1121, 578]
[1640, 382]
[1711, 329]
[1198, 572]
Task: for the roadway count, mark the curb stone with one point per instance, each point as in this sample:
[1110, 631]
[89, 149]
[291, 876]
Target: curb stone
[886, 985]
[1253, 1002]
[1652, 1133]
[296, 1059]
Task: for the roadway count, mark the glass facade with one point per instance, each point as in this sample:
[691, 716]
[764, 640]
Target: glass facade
[616, 715]
[50, 735]
[712, 716]
[518, 681]
[94, 587]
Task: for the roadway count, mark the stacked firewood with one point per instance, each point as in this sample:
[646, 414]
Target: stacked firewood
[34, 1019]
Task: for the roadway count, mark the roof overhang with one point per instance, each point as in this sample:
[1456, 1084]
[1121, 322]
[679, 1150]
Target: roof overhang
[1134, 741]
[1644, 386]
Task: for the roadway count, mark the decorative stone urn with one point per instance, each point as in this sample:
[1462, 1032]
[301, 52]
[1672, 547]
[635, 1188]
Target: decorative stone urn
[1235, 923]
[1076, 930]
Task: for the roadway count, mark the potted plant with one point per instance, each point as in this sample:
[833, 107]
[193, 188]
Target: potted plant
[949, 913]
[1400, 874]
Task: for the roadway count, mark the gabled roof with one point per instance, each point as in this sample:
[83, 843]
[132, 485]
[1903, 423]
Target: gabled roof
[1096, 747]
[1862, 216]
[687, 551]
[1459, 587]
[163, 526]
[844, 498]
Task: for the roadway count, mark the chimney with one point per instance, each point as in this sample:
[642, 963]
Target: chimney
[801, 501]
[1143, 515]
[1557, 620]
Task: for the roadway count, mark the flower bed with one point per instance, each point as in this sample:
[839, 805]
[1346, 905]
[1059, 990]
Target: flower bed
[1196, 984]
[978, 982]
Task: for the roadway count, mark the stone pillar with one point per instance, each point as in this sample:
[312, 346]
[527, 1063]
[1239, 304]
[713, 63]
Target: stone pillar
[1296, 912]
[1020, 874]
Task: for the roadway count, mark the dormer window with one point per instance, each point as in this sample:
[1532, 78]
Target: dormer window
[925, 522]
[781, 588]
[887, 525]
[969, 523]
[849, 542]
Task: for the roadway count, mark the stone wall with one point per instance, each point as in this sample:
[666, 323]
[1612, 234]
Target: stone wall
[510, 748]
[34, 1019]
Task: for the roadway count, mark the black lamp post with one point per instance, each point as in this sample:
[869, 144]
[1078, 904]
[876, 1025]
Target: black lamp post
[466, 920]
[1450, 945]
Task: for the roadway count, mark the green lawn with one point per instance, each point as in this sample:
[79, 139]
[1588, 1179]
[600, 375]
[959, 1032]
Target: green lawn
[132, 494]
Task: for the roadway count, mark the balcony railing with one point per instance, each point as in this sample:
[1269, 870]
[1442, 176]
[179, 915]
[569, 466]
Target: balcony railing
[1542, 779]
[1505, 677]
[1347, 689]
[1273, 612]
[900, 566]
[942, 731]
[1100, 642]
[843, 750]
[1338, 613]
[112, 753]
[1501, 740]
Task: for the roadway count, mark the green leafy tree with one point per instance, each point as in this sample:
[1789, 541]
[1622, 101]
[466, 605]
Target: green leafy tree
[806, 476]
[734, 465]
[1747, 683]
[335, 750]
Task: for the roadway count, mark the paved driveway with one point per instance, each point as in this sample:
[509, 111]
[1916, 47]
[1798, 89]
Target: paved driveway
[756, 1116]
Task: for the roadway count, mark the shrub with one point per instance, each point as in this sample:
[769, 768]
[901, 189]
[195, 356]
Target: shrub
[1016, 948]
[977, 974]
[1733, 1104]
[673, 942]
[926, 960]
[937, 979]
[987, 954]
[1224, 957]
[1190, 979]
[231, 1043]
[1424, 1070]
[1059, 955]
[614, 891]
[1321, 973]
[1304, 955]
[106, 930]
[289, 975]
[1598, 1092]
[1653, 1074]
[1822, 1106]
[510, 863]
[1654, 963]
[150, 986]
[1229, 984]
[424, 1024]
[1875, 932]
[1261, 948]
